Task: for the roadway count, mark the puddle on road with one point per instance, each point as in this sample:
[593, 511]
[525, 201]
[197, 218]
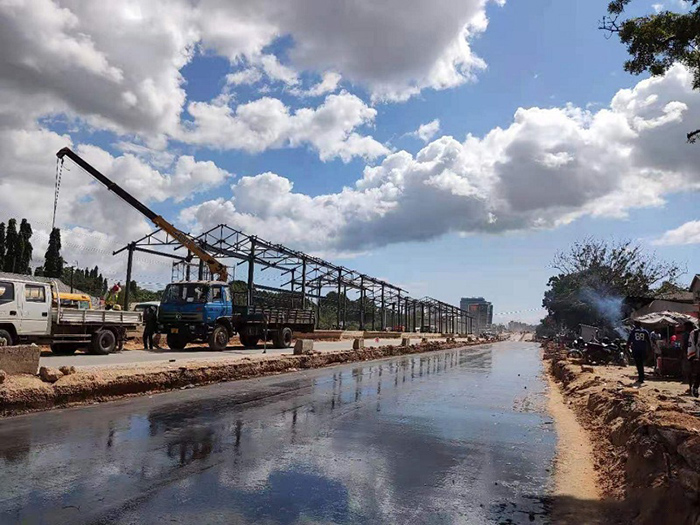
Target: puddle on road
[460, 436]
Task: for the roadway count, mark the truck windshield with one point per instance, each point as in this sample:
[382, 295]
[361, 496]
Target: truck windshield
[186, 293]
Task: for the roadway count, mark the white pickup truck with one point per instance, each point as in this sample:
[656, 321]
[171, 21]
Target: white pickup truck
[28, 315]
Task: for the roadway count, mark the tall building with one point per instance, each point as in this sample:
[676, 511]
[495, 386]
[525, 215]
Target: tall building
[481, 309]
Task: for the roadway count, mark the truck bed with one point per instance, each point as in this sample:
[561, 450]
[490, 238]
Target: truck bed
[97, 317]
[274, 316]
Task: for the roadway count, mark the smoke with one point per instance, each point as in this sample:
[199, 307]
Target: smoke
[608, 306]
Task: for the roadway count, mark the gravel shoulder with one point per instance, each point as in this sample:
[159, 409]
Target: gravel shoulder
[644, 443]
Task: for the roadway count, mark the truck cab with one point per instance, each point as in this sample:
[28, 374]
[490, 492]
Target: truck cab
[193, 311]
[25, 310]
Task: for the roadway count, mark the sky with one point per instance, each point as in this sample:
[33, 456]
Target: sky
[450, 147]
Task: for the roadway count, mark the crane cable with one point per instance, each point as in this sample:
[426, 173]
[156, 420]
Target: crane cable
[57, 189]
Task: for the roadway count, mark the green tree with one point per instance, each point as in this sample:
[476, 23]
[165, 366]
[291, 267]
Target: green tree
[25, 248]
[12, 247]
[596, 276]
[53, 262]
[657, 41]
[2, 245]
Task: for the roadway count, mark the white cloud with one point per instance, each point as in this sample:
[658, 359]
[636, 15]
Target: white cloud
[688, 233]
[426, 132]
[244, 77]
[328, 84]
[548, 168]
[267, 123]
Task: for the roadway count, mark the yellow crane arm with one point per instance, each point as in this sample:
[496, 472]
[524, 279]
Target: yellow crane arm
[215, 267]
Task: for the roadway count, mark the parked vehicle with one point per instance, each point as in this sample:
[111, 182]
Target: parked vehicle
[27, 315]
[79, 301]
[141, 307]
[203, 312]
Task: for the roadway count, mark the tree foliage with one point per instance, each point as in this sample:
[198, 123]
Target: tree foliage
[2, 245]
[596, 276]
[53, 262]
[12, 247]
[89, 281]
[657, 41]
[25, 248]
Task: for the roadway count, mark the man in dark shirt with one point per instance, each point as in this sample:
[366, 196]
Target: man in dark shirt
[689, 344]
[639, 342]
[150, 326]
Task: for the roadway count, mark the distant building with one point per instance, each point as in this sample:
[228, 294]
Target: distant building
[481, 309]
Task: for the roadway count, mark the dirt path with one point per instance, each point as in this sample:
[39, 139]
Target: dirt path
[576, 497]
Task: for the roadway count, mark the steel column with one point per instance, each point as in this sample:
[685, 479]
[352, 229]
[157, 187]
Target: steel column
[340, 278]
[129, 267]
[251, 271]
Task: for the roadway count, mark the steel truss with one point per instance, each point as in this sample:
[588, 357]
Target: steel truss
[307, 279]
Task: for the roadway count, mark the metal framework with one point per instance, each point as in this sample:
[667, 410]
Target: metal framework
[307, 277]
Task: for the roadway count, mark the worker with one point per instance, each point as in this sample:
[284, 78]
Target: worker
[150, 326]
[112, 297]
[639, 342]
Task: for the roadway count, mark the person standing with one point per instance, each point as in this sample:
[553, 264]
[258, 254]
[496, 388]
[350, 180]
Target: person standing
[639, 342]
[690, 340]
[150, 325]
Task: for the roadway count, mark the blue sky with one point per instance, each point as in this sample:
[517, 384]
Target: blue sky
[500, 228]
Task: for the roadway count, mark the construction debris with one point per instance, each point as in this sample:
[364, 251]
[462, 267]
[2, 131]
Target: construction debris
[50, 375]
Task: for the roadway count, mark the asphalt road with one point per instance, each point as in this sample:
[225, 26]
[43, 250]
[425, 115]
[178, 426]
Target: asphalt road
[192, 353]
[457, 436]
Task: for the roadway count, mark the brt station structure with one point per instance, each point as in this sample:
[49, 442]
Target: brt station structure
[306, 282]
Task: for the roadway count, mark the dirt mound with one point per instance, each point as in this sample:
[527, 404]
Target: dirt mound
[25, 393]
[646, 441]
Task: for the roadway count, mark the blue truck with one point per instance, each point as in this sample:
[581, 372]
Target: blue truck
[204, 312]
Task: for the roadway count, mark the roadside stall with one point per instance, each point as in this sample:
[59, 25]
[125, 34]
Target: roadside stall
[668, 354]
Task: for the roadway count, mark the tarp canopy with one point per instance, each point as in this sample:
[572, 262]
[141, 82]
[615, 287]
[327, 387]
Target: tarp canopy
[663, 319]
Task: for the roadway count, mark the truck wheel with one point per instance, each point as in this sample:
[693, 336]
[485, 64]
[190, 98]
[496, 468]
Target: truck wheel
[5, 338]
[103, 342]
[218, 339]
[283, 338]
[63, 348]
[176, 342]
[249, 341]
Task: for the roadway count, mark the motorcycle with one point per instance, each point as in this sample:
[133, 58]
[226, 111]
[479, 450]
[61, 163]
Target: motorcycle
[577, 347]
[606, 352]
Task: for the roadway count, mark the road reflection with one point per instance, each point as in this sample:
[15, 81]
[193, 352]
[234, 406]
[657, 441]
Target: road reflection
[426, 438]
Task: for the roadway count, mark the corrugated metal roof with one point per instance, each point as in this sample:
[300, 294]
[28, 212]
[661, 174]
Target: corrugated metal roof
[62, 287]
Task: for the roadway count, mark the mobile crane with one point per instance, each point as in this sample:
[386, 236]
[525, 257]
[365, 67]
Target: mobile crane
[215, 267]
[200, 311]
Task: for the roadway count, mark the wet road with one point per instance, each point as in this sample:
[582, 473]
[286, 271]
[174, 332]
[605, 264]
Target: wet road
[452, 437]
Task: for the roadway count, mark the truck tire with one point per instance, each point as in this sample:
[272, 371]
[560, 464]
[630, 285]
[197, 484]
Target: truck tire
[249, 341]
[176, 342]
[218, 339]
[283, 338]
[64, 348]
[103, 342]
[5, 338]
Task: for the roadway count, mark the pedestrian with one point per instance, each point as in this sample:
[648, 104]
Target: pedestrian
[150, 326]
[639, 342]
[691, 335]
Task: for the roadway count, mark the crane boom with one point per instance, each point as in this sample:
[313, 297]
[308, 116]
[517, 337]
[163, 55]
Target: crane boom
[215, 267]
